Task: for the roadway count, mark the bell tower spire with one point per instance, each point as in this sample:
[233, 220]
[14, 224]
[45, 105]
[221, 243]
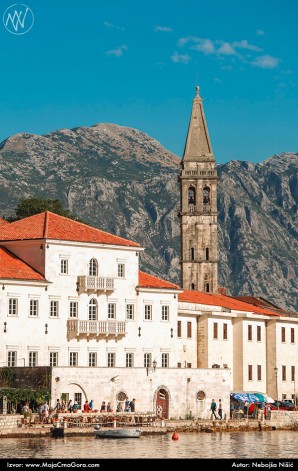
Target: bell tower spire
[198, 215]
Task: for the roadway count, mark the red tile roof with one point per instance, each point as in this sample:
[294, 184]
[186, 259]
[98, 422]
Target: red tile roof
[48, 225]
[12, 268]
[150, 281]
[263, 303]
[3, 221]
[197, 297]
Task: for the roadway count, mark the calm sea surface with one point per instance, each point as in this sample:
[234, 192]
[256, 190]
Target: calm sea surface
[277, 444]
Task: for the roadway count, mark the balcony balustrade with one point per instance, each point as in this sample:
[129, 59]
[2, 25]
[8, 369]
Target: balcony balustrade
[94, 283]
[84, 328]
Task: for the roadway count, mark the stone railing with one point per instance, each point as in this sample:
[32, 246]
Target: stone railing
[95, 283]
[78, 327]
[198, 173]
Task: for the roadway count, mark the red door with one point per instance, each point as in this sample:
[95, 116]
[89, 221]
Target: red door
[162, 403]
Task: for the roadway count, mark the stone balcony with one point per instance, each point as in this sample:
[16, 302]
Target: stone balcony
[198, 173]
[83, 328]
[92, 284]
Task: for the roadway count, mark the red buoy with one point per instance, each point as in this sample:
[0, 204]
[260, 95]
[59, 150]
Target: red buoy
[175, 436]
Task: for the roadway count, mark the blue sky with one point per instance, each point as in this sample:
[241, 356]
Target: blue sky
[136, 63]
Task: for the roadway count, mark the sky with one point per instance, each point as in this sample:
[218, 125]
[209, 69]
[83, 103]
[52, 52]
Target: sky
[136, 63]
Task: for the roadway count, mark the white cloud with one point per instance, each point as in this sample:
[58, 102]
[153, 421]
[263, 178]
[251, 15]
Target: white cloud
[260, 32]
[217, 80]
[162, 29]
[117, 52]
[112, 26]
[217, 46]
[226, 49]
[182, 58]
[205, 45]
[266, 62]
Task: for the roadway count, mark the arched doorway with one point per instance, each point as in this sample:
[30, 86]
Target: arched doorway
[162, 403]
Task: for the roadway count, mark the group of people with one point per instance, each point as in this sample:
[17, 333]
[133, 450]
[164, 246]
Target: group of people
[129, 406]
[213, 409]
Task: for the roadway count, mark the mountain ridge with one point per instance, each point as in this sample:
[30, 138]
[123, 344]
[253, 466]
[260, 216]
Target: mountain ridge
[125, 182]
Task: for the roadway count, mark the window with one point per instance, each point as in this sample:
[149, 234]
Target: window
[33, 307]
[225, 332]
[54, 309]
[165, 313]
[259, 333]
[73, 358]
[32, 359]
[93, 267]
[192, 286]
[129, 360]
[92, 310]
[78, 398]
[13, 307]
[249, 372]
[73, 309]
[283, 334]
[189, 330]
[192, 253]
[207, 254]
[207, 288]
[111, 360]
[130, 312]
[188, 365]
[92, 359]
[191, 195]
[178, 365]
[249, 332]
[12, 359]
[292, 373]
[283, 397]
[179, 330]
[148, 312]
[215, 330]
[64, 267]
[292, 335]
[53, 358]
[259, 372]
[121, 270]
[111, 311]
[147, 360]
[165, 360]
[284, 372]
[206, 195]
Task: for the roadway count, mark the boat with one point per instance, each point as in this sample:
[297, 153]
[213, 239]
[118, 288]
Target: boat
[117, 432]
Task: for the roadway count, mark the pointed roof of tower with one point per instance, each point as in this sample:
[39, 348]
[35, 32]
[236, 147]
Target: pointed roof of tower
[198, 147]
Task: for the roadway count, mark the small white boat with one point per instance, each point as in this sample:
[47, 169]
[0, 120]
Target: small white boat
[117, 432]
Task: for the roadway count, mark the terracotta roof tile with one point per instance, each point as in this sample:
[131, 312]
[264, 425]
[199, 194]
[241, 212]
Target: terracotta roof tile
[228, 302]
[48, 225]
[12, 268]
[150, 281]
[3, 222]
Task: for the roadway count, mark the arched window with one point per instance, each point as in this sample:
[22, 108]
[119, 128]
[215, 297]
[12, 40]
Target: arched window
[191, 195]
[192, 253]
[93, 267]
[207, 288]
[207, 253]
[193, 286]
[206, 196]
[92, 310]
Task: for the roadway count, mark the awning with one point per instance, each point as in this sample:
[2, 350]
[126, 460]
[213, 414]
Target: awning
[249, 397]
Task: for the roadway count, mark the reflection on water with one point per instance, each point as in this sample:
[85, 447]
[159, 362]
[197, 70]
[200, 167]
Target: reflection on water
[277, 444]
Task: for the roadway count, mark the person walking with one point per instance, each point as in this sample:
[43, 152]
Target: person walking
[220, 409]
[133, 405]
[213, 409]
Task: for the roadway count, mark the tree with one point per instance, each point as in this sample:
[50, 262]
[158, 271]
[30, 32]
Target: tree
[29, 207]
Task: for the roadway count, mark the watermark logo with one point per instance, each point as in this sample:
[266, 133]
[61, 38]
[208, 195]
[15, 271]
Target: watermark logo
[18, 19]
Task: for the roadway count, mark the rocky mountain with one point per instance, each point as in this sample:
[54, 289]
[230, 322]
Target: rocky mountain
[125, 182]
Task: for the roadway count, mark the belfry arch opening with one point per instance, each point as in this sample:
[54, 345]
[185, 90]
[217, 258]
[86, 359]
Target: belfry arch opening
[191, 195]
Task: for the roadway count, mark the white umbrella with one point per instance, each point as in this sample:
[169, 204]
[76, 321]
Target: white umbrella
[270, 400]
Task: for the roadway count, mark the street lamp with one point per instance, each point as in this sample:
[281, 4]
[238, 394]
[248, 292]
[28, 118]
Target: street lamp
[275, 372]
[151, 370]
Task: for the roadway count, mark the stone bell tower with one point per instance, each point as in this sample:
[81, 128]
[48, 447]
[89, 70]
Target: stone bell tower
[198, 210]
